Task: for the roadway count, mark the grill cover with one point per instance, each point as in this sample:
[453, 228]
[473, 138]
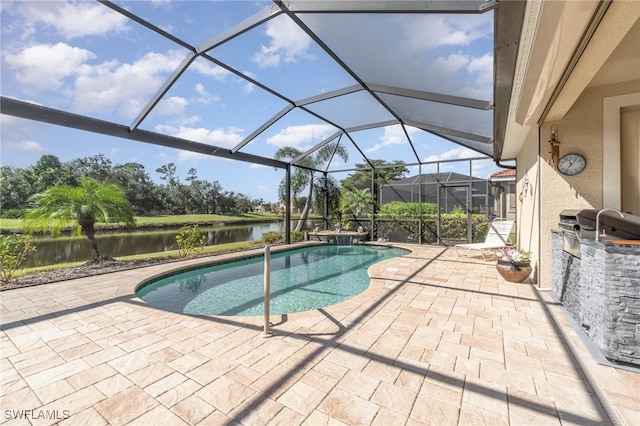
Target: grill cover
[626, 228]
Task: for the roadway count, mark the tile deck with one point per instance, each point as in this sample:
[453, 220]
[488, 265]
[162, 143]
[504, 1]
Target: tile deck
[437, 339]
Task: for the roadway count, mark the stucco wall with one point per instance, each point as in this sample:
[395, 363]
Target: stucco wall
[579, 131]
[630, 162]
[527, 210]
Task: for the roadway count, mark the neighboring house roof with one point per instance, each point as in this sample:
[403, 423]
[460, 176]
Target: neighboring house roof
[433, 178]
[507, 172]
[508, 175]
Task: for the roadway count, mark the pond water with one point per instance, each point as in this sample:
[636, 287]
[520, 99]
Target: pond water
[51, 251]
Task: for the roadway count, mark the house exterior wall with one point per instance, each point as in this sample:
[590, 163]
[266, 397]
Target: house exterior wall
[579, 131]
[527, 206]
[504, 206]
[630, 162]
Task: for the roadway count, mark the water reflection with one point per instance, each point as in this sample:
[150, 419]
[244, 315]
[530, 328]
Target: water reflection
[191, 284]
[76, 249]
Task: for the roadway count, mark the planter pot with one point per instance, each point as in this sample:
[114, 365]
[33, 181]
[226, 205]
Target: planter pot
[514, 272]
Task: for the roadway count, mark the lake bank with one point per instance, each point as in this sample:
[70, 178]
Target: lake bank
[61, 272]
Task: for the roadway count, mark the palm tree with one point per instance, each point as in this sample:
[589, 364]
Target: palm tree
[303, 177]
[357, 201]
[81, 206]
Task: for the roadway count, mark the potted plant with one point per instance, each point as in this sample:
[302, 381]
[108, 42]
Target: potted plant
[514, 265]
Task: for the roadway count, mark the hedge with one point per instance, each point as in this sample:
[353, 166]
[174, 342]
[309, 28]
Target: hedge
[453, 228]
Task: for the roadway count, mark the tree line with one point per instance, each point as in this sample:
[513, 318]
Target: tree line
[196, 196]
[352, 195]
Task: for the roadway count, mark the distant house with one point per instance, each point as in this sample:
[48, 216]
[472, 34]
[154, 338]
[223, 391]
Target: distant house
[504, 193]
[448, 190]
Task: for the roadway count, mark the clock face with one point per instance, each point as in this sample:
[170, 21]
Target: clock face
[571, 164]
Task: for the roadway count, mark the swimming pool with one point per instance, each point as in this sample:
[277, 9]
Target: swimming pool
[301, 279]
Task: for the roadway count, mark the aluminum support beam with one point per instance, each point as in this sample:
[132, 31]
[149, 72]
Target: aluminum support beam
[329, 95]
[316, 147]
[451, 132]
[42, 114]
[262, 128]
[434, 97]
[397, 6]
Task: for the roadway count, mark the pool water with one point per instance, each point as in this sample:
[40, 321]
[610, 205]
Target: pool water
[301, 280]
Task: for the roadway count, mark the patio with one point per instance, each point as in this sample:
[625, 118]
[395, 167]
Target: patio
[436, 339]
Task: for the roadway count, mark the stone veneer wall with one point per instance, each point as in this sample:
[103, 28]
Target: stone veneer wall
[601, 291]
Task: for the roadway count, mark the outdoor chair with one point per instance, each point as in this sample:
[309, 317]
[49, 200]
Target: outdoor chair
[496, 239]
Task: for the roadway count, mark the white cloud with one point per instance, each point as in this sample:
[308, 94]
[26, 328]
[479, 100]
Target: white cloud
[248, 87]
[31, 147]
[107, 86]
[45, 66]
[483, 68]
[288, 43]
[480, 68]
[115, 152]
[16, 136]
[452, 30]
[205, 97]
[104, 87]
[192, 156]
[126, 87]
[451, 64]
[225, 138]
[175, 106]
[453, 154]
[479, 168]
[393, 135]
[452, 58]
[165, 157]
[209, 69]
[301, 137]
[72, 19]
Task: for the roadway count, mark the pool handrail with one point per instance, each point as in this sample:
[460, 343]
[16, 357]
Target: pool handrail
[267, 291]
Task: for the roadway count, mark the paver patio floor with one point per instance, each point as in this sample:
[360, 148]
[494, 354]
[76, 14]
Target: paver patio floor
[437, 339]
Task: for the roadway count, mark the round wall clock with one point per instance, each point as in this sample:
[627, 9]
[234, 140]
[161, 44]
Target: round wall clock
[571, 164]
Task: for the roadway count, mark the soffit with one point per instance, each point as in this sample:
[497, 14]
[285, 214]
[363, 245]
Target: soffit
[564, 48]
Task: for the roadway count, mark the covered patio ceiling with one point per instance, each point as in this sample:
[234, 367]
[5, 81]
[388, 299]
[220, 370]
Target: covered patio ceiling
[441, 67]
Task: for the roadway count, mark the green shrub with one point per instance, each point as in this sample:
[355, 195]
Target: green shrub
[271, 237]
[190, 240]
[14, 249]
[452, 227]
[400, 209]
[297, 236]
[13, 213]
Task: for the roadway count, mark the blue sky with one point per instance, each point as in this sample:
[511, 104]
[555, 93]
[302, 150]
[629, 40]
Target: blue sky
[84, 58]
